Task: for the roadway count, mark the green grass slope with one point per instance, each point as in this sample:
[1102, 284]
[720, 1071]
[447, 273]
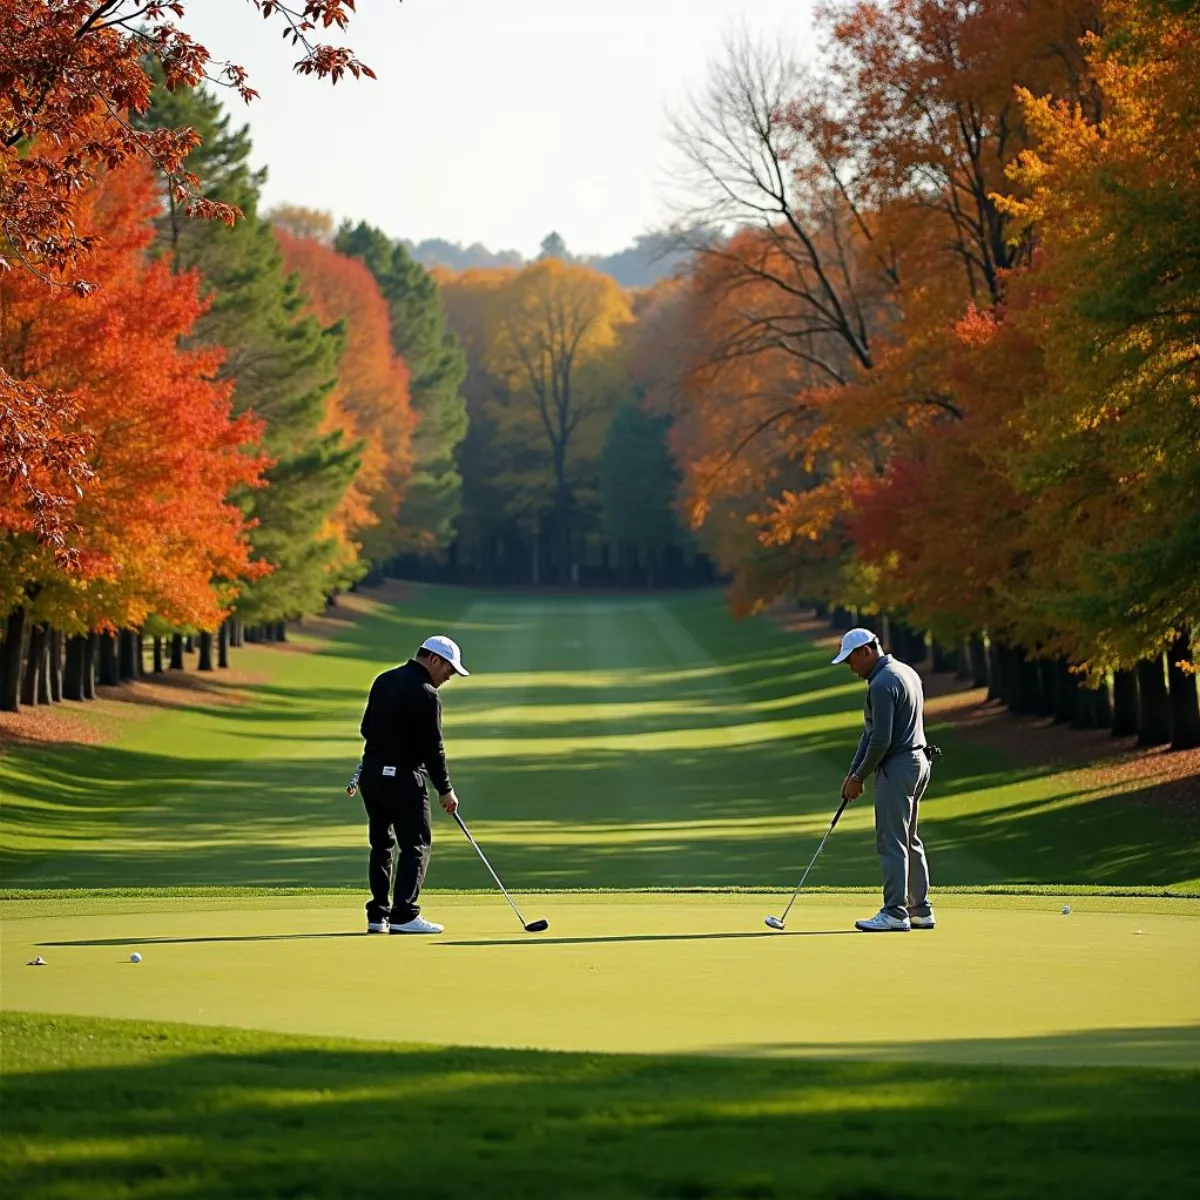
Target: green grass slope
[602, 742]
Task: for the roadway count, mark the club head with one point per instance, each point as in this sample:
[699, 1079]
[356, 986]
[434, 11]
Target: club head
[537, 926]
[773, 923]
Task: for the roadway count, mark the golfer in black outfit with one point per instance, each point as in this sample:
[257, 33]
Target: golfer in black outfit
[403, 730]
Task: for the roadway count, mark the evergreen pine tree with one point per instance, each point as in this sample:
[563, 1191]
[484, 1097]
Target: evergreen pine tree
[438, 368]
[283, 361]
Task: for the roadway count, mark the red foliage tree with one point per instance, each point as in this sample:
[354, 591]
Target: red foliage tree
[155, 526]
[72, 72]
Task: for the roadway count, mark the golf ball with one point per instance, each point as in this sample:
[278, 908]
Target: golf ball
[1066, 910]
[135, 957]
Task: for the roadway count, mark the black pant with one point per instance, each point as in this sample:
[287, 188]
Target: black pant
[398, 816]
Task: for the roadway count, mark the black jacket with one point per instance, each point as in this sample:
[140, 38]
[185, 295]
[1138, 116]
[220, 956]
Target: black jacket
[403, 726]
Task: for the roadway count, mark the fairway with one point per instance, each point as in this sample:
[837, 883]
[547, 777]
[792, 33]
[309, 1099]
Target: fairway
[600, 742]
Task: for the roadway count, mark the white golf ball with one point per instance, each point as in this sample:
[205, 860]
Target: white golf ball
[135, 957]
[1066, 910]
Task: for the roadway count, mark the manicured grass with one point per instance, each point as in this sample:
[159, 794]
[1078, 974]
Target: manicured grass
[115, 1108]
[1002, 979]
[601, 743]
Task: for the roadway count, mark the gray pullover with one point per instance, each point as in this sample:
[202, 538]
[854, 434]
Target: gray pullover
[893, 716]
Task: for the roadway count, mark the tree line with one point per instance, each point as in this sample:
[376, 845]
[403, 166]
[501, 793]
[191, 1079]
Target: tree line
[942, 370]
[215, 418]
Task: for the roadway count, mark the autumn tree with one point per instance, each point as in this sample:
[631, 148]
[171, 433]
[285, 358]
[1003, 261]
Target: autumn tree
[157, 533]
[499, 509]
[73, 75]
[436, 368]
[371, 402]
[863, 198]
[1111, 461]
[554, 330]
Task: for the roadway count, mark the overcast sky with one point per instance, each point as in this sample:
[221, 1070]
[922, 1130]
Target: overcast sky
[492, 120]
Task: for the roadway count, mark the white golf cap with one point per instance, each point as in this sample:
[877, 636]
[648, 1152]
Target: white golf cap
[852, 640]
[446, 648]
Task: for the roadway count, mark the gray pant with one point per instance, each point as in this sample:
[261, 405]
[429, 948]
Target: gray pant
[899, 785]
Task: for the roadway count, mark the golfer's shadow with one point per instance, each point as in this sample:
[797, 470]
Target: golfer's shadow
[515, 940]
[643, 937]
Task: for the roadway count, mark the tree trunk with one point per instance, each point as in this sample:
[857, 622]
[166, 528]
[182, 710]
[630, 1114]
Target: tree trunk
[189, 645]
[35, 656]
[1010, 659]
[109, 673]
[977, 652]
[964, 670]
[918, 651]
[1066, 693]
[562, 517]
[1125, 704]
[944, 659]
[1154, 705]
[158, 656]
[1035, 699]
[43, 681]
[73, 671]
[91, 652]
[10, 661]
[1185, 715]
[55, 665]
[1100, 705]
[223, 645]
[205, 641]
[125, 649]
[995, 660]
[139, 655]
[176, 652]
[281, 631]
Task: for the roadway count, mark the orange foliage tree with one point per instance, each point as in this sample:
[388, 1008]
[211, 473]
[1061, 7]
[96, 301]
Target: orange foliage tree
[371, 402]
[72, 74]
[156, 533]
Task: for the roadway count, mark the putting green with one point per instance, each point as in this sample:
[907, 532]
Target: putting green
[1000, 980]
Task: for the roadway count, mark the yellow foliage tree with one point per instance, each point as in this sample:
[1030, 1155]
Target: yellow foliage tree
[553, 338]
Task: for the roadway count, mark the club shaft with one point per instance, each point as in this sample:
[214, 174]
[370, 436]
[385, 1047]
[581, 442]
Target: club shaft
[804, 877]
[812, 861]
[483, 859]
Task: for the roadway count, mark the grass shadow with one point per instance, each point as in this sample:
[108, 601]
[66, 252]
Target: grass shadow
[192, 1112]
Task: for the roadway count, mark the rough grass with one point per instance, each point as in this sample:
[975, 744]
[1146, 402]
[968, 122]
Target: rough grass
[111, 1108]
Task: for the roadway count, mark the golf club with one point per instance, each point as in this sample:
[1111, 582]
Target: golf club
[778, 922]
[530, 926]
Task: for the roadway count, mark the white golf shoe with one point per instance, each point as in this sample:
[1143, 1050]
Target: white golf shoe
[418, 925]
[923, 922]
[377, 927]
[883, 922]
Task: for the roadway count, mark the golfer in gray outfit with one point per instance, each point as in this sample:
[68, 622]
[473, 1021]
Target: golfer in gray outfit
[892, 747]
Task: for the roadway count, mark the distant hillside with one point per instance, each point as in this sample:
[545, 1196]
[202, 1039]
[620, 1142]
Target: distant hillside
[436, 252]
[653, 256]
